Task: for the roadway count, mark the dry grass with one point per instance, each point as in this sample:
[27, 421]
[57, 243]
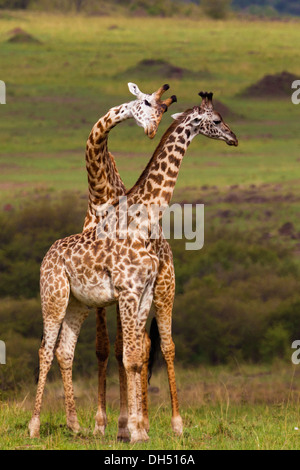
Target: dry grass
[239, 384]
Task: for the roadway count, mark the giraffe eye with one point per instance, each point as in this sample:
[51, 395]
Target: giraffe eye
[147, 103]
[217, 122]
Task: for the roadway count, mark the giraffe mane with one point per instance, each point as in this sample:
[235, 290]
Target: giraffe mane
[158, 149]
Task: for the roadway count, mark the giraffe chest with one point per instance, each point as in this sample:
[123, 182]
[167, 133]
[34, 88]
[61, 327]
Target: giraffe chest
[99, 271]
[93, 292]
[90, 282]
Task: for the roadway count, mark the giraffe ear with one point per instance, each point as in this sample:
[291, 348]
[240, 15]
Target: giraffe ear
[177, 115]
[134, 89]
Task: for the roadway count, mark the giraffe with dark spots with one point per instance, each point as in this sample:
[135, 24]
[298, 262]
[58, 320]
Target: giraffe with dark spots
[105, 185]
[77, 291]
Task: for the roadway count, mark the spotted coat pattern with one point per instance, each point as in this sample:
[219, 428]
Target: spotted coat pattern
[98, 272]
[105, 186]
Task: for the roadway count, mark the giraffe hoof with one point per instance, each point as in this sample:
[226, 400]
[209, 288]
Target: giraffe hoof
[123, 435]
[177, 425]
[34, 428]
[146, 424]
[139, 436]
[73, 425]
[74, 430]
[99, 430]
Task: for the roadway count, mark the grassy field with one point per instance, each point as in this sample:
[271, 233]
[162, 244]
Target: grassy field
[57, 89]
[243, 427]
[80, 69]
[235, 408]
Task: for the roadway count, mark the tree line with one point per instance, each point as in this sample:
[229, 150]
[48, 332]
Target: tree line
[213, 8]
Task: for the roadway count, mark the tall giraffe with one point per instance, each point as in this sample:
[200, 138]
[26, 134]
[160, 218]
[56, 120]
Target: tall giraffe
[86, 269]
[105, 186]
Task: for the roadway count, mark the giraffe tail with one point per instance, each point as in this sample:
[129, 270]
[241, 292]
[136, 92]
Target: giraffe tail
[37, 368]
[155, 346]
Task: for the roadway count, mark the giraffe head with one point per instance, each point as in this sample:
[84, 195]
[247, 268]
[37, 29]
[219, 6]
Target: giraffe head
[147, 110]
[205, 120]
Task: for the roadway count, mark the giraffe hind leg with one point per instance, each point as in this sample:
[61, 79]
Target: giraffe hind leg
[144, 379]
[123, 431]
[133, 336]
[102, 353]
[65, 349]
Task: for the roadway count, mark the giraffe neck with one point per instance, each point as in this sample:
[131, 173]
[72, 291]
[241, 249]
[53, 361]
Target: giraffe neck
[156, 184]
[104, 181]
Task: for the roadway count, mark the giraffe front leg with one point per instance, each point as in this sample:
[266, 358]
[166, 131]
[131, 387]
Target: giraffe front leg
[164, 294]
[168, 351]
[133, 367]
[133, 362]
[144, 379]
[123, 431]
[102, 353]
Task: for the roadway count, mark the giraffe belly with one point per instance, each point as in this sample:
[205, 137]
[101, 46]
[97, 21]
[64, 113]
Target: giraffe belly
[99, 295]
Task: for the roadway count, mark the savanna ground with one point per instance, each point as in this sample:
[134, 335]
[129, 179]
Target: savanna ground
[236, 408]
[56, 89]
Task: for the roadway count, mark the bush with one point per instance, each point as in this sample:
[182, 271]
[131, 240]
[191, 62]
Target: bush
[216, 9]
[236, 298]
[231, 297]
[27, 235]
[15, 4]
[276, 343]
[21, 330]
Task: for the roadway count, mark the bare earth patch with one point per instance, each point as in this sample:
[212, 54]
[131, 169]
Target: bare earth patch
[162, 68]
[277, 86]
[19, 36]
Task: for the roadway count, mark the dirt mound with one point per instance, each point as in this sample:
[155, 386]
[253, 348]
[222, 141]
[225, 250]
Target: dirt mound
[278, 85]
[287, 229]
[18, 35]
[163, 69]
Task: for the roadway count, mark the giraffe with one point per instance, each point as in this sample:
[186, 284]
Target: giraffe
[105, 185]
[87, 270]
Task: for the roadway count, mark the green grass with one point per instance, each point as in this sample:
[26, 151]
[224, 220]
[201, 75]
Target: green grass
[222, 408]
[75, 75]
[262, 427]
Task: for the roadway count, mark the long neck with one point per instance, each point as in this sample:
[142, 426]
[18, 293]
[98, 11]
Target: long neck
[156, 183]
[104, 181]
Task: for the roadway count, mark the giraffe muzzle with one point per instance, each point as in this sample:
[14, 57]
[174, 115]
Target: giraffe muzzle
[151, 132]
[235, 142]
